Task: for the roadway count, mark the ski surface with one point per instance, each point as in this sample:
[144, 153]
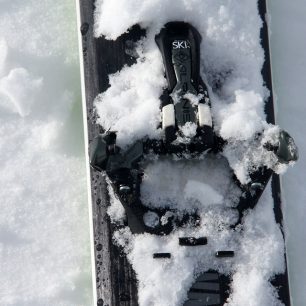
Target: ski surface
[116, 282]
[282, 280]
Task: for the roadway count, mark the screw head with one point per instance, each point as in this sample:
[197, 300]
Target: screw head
[124, 189]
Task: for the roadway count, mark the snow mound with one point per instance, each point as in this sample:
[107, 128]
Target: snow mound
[204, 183]
[21, 89]
[244, 117]
[131, 105]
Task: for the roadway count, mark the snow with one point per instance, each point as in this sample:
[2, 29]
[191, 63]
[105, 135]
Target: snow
[115, 210]
[206, 182]
[19, 91]
[259, 258]
[246, 107]
[133, 100]
[44, 239]
[200, 191]
[44, 230]
[257, 248]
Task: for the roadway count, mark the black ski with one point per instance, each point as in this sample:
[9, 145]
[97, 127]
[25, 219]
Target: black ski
[116, 282]
[281, 281]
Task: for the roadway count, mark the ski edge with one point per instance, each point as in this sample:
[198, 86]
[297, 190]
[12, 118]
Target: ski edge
[86, 148]
[277, 195]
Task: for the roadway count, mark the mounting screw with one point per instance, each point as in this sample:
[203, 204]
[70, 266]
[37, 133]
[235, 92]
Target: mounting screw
[124, 189]
[256, 186]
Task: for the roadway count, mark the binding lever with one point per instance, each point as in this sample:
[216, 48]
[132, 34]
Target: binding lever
[186, 113]
[284, 148]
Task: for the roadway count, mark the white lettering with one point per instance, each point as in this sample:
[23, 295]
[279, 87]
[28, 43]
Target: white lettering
[180, 44]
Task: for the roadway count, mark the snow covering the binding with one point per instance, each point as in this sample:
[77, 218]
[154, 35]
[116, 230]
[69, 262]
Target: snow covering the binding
[203, 183]
[258, 254]
[229, 45]
[231, 62]
[131, 105]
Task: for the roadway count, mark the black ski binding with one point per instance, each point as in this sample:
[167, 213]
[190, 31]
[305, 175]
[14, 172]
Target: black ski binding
[179, 44]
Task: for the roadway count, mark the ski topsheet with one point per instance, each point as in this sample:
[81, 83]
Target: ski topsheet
[164, 236]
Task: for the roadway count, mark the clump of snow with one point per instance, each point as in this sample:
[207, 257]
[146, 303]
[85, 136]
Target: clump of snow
[194, 99]
[188, 130]
[260, 291]
[21, 89]
[133, 100]
[244, 117]
[115, 210]
[191, 97]
[151, 219]
[259, 257]
[245, 157]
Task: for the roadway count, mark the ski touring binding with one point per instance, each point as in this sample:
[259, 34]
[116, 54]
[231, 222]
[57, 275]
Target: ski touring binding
[179, 44]
[188, 134]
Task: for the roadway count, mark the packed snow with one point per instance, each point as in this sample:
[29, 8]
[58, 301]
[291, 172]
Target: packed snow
[208, 181]
[231, 61]
[44, 230]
